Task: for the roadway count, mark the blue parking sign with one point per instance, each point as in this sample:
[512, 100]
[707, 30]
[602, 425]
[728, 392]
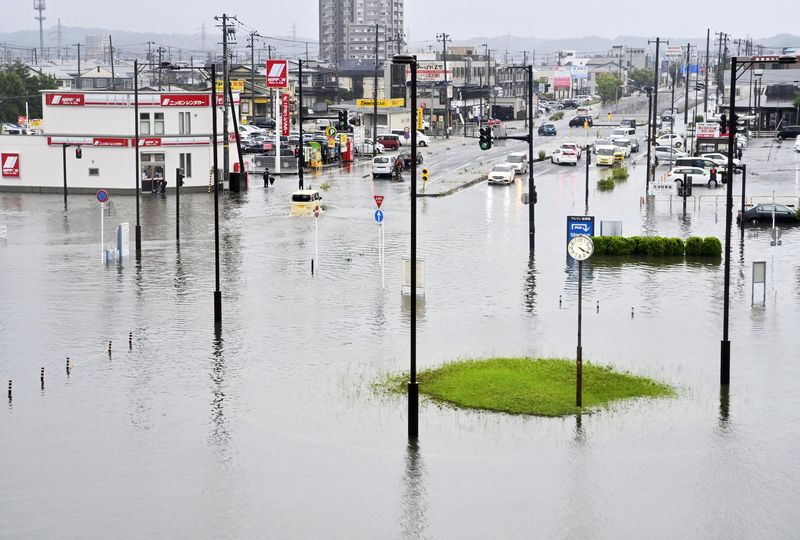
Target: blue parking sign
[579, 225]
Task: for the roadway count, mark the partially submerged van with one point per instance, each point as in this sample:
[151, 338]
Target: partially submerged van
[306, 201]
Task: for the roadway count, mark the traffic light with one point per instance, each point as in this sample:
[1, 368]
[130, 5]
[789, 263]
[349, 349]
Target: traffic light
[485, 141]
[723, 124]
[78, 153]
[425, 175]
[179, 176]
[342, 124]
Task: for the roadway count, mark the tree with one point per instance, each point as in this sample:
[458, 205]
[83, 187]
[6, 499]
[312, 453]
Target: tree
[608, 86]
[17, 87]
[641, 77]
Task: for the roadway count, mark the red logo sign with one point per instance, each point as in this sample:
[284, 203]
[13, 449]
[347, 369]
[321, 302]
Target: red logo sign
[149, 142]
[65, 99]
[10, 165]
[277, 73]
[378, 200]
[109, 141]
[22, 120]
[285, 123]
[185, 100]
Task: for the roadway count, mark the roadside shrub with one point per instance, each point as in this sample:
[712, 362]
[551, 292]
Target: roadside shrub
[694, 246]
[674, 247]
[619, 245]
[601, 245]
[605, 184]
[542, 155]
[619, 173]
[712, 247]
[652, 246]
[557, 115]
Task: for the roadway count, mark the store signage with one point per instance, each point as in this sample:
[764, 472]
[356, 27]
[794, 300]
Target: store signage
[277, 73]
[185, 100]
[150, 142]
[65, 99]
[109, 141]
[285, 115]
[10, 165]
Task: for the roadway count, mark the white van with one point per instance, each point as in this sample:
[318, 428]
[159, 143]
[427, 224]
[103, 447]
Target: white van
[623, 132]
[518, 162]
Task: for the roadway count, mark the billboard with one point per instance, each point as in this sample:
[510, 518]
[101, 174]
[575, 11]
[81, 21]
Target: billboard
[430, 71]
[277, 73]
[561, 82]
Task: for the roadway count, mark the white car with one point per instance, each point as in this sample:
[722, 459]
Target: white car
[694, 175]
[422, 139]
[383, 166]
[564, 155]
[367, 147]
[502, 173]
[721, 159]
[670, 139]
[797, 144]
[623, 143]
[667, 154]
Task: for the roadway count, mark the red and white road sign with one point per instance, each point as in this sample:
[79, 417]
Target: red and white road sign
[277, 73]
[378, 200]
[10, 165]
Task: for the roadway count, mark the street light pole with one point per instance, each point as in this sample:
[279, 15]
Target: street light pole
[648, 141]
[531, 184]
[444, 39]
[301, 155]
[137, 172]
[217, 292]
[725, 346]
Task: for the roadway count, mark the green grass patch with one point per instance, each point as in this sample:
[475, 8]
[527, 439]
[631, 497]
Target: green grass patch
[605, 184]
[541, 387]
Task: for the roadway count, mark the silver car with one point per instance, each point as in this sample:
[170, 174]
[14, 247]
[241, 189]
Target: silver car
[667, 154]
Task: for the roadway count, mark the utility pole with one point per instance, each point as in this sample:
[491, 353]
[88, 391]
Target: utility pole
[225, 102]
[253, 78]
[111, 57]
[375, 99]
[723, 49]
[78, 79]
[525, 63]
[705, 96]
[160, 50]
[301, 156]
[444, 38]
[655, 98]
[688, 70]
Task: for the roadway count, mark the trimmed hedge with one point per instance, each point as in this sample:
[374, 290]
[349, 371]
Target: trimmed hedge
[657, 246]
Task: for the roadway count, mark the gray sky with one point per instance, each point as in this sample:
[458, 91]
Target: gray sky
[424, 18]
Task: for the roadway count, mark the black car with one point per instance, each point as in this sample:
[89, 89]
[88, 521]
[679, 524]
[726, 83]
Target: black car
[547, 130]
[405, 155]
[264, 122]
[579, 121]
[570, 103]
[788, 132]
[763, 214]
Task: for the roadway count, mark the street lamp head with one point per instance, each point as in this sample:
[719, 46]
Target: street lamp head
[405, 59]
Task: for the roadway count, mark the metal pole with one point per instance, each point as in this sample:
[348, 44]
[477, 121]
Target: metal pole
[64, 165]
[586, 187]
[446, 94]
[688, 70]
[744, 182]
[579, 366]
[531, 183]
[375, 99]
[178, 174]
[226, 163]
[705, 96]
[413, 387]
[725, 345]
[301, 154]
[217, 292]
[655, 93]
[649, 145]
[137, 173]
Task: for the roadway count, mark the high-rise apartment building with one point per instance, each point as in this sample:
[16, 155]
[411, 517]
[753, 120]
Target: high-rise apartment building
[347, 28]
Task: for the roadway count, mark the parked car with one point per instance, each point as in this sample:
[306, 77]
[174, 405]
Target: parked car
[580, 121]
[518, 162]
[389, 141]
[564, 155]
[264, 122]
[694, 175]
[721, 159]
[383, 166]
[787, 132]
[366, 148]
[502, 173]
[624, 144]
[570, 103]
[548, 129]
[605, 156]
[718, 172]
[405, 155]
[667, 154]
[670, 139]
[574, 147]
[763, 214]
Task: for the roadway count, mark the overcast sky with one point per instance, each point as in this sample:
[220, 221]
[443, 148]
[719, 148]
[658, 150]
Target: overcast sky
[424, 18]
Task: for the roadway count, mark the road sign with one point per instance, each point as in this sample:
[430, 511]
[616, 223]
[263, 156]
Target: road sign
[406, 133]
[330, 131]
[378, 200]
[379, 215]
[331, 142]
[579, 226]
[102, 196]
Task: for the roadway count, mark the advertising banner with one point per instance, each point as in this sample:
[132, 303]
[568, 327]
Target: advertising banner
[285, 122]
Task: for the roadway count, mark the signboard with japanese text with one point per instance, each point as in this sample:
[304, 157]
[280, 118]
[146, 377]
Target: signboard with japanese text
[277, 73]
[285, 122]
[395, 102]
[579, 225]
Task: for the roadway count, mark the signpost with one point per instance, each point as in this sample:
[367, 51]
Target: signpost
[579, 226]
[381, 253]
[759, 276]
[580, 248]
[102, 198]
[406, 133]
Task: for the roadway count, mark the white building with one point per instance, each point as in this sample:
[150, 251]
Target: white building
[174, 132]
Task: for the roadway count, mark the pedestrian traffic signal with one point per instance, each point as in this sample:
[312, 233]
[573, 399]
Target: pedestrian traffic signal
[78, 153]
[424, 175]
[723, 123]
[485, 141]
[342, 124]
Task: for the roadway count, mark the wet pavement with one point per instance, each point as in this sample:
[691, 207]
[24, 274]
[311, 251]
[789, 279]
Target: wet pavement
[273, 428]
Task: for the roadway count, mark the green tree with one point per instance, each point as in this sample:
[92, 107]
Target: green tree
[641, 77]
[18, 86]
[608, 86]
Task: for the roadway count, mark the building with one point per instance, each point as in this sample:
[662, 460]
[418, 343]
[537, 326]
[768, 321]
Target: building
[175, 131]
[347, 29]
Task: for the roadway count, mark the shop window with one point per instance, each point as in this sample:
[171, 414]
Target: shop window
[144, 123]
[186, 164]
[184, 123]
[158, 123]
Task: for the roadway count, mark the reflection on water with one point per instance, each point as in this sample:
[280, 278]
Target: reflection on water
[414, 502]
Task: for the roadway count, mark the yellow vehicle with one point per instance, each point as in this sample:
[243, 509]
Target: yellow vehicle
[605, 156]
[619, 154]
[306, 201]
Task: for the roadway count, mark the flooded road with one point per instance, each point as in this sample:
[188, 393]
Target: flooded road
[273, 428]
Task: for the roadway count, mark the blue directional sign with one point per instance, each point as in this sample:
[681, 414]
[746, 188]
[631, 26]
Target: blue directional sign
[579, 225]
[378, 215]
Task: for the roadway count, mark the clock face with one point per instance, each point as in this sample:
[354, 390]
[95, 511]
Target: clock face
[580, 248]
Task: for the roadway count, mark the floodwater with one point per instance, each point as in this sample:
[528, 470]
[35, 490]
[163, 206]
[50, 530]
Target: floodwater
[273, 428]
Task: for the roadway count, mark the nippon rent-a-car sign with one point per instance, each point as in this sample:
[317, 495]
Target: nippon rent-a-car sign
[10, 162]
[277, 73]
[65, 99]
